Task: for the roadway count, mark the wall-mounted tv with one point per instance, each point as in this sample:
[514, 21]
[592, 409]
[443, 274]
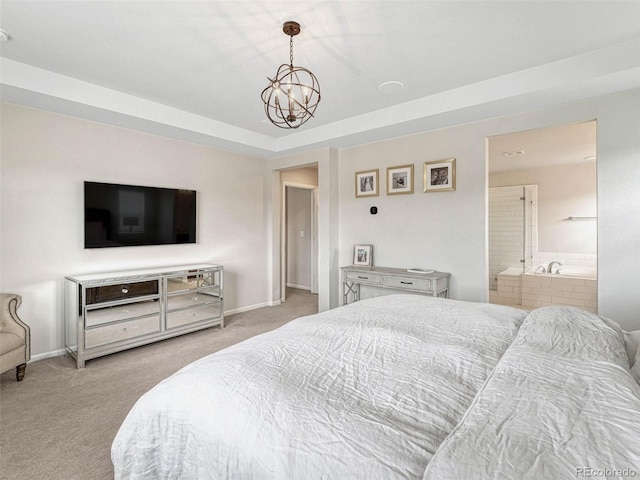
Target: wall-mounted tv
[131, 215]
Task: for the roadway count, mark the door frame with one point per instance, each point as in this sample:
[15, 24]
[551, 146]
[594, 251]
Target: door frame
[283, 236]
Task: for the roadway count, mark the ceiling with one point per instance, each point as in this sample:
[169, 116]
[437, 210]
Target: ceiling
[194, 70]
[543, 147]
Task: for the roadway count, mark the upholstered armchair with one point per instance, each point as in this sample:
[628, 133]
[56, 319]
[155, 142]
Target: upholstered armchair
[15, 336]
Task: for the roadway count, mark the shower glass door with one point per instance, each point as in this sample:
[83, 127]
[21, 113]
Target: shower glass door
[529, 193]
[512, 229]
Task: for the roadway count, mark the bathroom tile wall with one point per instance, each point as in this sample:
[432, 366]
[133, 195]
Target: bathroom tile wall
[544, 290]
[571, 262]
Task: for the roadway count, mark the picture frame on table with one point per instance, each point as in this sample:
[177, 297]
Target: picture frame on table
[440, 176]
[363, 255]
[367, 183]
[400, 180]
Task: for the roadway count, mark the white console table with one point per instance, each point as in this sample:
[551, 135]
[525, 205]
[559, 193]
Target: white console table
[435, 284]
[113, 311]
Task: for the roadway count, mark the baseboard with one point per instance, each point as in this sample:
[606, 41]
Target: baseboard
[301, 287]
[246, 309]
[42, 356]
[57, 353]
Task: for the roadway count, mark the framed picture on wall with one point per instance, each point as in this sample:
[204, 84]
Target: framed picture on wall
[440, 176]
[400, 180]
[363, 255]
[367, 183]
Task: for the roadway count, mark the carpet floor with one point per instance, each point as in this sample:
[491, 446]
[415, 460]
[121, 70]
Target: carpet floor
[59, 422]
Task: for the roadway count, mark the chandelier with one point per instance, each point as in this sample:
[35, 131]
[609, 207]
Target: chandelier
[293, 93]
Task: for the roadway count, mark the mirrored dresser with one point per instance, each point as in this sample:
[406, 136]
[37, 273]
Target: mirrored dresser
[113, 311]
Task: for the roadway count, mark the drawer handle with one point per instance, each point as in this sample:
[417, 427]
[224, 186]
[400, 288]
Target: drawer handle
[124, 329]
[194, 298]
[406, 283]
[125, 310]
[125, 290]
[363, 278]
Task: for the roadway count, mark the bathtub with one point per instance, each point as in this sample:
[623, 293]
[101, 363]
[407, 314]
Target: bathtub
[573, 288]
[587, 275]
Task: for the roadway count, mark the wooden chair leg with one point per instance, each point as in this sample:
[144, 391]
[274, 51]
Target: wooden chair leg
[20, 371]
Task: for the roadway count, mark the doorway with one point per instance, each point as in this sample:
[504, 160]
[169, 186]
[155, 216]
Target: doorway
[300, 239]
[299, 231]
[543, 216]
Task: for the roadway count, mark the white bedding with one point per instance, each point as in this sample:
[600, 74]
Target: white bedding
[367, 391]
[561, 404]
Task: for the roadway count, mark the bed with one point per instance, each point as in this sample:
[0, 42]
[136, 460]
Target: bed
[401, 386]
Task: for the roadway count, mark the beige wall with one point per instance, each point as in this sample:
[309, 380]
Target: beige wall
[299, 237]
[45, 159]
[443, 231]
[299, 245]
[327, 162]
[448, 230]
[304, 175]
[563, 191]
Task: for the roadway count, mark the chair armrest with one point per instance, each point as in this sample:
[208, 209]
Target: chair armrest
[9, 320]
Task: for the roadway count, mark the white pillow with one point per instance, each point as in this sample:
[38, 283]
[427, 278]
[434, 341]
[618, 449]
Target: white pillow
[632, 343]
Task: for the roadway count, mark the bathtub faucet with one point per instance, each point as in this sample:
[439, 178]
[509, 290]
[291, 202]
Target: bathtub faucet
[551, 266]
[541, 269]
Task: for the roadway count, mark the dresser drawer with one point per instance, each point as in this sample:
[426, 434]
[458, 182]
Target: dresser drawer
[408, 283]
[193, 281]
[108, 293]
[364, 277]
[115, 313]
[179, 318]
[117, 332]
[192, 299]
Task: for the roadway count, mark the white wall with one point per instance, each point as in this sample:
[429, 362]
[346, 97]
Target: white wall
[447, 230]
[45, 159]
[563, 191]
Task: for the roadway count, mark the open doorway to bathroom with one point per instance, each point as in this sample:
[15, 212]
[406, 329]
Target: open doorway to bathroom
[543, 217]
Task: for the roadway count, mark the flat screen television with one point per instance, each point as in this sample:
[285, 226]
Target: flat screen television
[131, 215]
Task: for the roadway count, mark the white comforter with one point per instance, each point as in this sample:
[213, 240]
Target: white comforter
[561, 404]
[367, 391]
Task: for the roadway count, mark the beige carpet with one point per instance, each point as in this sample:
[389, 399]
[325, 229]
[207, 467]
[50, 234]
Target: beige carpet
[59, 422]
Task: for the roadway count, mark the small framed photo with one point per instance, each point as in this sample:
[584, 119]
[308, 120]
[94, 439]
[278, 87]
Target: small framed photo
[363, 255]
[440, 176]
[367, 183]
[400, 180]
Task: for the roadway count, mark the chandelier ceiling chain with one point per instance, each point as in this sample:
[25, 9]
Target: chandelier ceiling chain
[291, 51]
[293, 93]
